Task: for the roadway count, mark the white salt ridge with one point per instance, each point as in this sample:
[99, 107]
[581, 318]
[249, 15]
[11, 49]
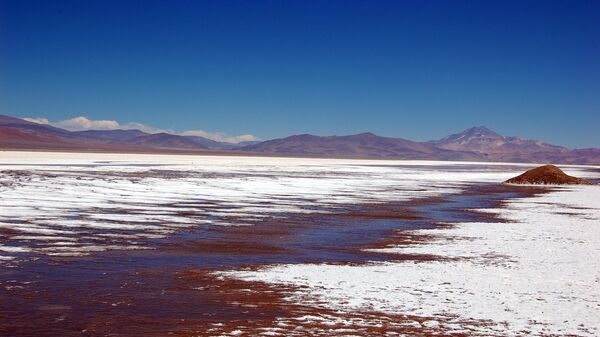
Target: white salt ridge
[14, 249]
[42, 238]
[538, 274]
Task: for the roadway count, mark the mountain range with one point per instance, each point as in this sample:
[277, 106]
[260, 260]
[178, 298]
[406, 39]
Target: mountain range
[364, 145]
[474, 144]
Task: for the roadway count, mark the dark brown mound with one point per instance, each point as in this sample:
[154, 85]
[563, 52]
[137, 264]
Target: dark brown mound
[547, 174]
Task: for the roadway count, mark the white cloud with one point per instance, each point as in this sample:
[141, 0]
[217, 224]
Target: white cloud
[143, 127]
[220, 137]
[83, 123]
[38, 120]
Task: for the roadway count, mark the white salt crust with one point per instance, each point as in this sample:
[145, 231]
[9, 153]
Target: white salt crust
[105, 200]
[538, 274]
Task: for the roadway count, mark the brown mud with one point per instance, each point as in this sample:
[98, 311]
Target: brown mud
[547, 175]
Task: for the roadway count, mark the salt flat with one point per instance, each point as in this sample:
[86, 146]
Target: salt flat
[69, 204]
[537, 273]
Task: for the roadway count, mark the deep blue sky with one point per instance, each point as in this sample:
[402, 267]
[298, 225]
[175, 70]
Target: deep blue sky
[413, 69]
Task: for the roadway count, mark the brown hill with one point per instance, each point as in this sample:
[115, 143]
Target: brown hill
[18, 133]
[111, 135]
[483, 140]
[364, 145]
[547, 175]
[166, 141]
[496, 147]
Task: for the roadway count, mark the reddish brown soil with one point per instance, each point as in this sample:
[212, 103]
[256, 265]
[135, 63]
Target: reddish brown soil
[547, 175]
[192, 302]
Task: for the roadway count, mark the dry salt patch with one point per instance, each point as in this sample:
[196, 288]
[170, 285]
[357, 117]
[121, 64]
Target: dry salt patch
[108, 200]
[537, 274]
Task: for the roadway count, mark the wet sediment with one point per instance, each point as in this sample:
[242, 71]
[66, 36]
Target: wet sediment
[175, 289]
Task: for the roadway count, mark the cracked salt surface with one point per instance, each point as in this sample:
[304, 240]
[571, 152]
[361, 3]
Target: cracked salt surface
[538, 274]
[98, 202]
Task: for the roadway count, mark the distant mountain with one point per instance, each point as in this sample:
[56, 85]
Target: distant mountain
[474, 144]
[496, 147]
[475, 139]
[163, 141]
[211, 144]
[364, 145]
[246, 143]
[22, 138]
[32, 128]
[483, 140]
[167, 141]
[111, 135]
[16, 133]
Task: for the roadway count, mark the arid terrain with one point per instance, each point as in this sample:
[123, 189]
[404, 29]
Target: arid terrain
[474, 144]
[155, 245]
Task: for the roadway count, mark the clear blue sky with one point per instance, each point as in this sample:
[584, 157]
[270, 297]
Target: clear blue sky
[414, 69]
